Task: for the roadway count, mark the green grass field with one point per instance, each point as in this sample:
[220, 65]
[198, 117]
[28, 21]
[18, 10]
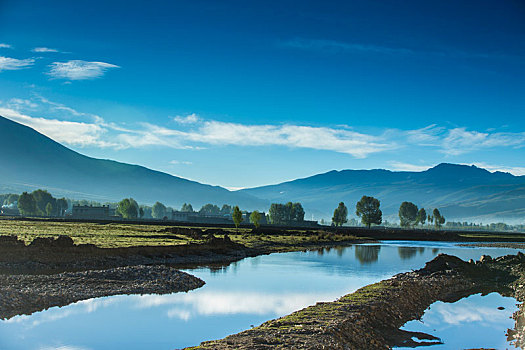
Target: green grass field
[127, 235]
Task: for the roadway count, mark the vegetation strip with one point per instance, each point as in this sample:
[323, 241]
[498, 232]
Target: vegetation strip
[371, 317]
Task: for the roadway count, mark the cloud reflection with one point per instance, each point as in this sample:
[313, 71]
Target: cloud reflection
[57, 313]
[467, 312]
[185, 306]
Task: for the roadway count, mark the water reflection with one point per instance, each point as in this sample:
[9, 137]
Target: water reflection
[235, 296]
[187, 306]
[473, 322]
[367, 254]
[407, 253]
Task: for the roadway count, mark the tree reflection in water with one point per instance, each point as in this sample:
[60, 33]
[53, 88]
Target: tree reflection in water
[407, 253]
[367, 254]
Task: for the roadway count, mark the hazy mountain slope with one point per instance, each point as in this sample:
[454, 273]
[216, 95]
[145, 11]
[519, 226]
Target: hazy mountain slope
[462, 192]
[31, 160]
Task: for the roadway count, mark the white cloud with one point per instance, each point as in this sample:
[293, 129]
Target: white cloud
[400, 166]
[517, 171]
[427, 136]
[189, 119]
[44, 49]
[8, 63]
[460, 140]
[79, 70]
[186, 306]
[72, 133]
[85, 129]
[18, 103]
[5, 46]
[319, 138]
[63, 347]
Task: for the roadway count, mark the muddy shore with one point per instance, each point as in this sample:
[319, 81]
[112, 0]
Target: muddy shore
[371, 317]
[25, 294]
[55, 272]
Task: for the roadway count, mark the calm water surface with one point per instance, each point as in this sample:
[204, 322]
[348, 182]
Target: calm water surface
[235, 298]
[476, 315]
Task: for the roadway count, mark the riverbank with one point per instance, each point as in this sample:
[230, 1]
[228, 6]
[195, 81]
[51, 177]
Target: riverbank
[371, 317]
[25, 294]
[56, 272]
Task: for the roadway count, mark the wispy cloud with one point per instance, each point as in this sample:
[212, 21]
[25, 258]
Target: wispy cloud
[296, 136]
[5, 46]
[517, 171]
[334, 46]
[44, 49]
[68, 132]
[461, 140]
[176, 162]
[79, 70]
[401, 166]
[189, 119]
[70, 126]
[8, 63]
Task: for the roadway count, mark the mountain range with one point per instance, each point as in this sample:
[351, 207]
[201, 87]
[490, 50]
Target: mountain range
[461, 192]
[30, 160]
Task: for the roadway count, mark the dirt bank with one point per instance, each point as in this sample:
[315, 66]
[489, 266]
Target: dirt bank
[371, 317]
[48, 255]
[25, 294]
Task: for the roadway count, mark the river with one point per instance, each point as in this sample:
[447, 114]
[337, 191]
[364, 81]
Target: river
[236, 297]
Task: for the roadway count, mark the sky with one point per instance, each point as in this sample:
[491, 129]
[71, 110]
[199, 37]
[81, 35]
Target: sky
[241, 94]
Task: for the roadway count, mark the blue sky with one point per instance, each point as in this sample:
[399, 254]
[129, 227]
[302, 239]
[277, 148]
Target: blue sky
[243, 94]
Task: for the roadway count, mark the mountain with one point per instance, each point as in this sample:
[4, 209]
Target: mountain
[465, 193]
[30, 160]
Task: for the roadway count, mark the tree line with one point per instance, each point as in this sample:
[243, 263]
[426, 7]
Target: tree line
[41, 203]
[368, 210]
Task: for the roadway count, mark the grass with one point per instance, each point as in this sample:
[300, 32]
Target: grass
[510, 237]
[127, 235]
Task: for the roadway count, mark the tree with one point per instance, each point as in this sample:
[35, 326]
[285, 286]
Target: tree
[42, 198]
[62, 206]
[210, 209]
[421, 216]
[158, 211]
[297, 212]
[284, 214]
[438, 219]
[27, 204]
[407, 214]
[127, 208]
[49, 209]
[186, 208]
[340, 215]
[226, 209]
[237, 216]
[277, 214]
[141, 212]
[368, 210]
[255, 217]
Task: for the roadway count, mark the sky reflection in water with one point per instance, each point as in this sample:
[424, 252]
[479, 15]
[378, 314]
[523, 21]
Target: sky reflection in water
[477, 316]
[235, 297]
